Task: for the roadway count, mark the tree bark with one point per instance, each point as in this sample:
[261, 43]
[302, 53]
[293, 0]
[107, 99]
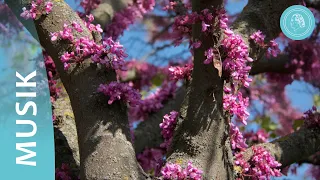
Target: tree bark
[201, 134]
[106, 10]
[105, 147]
[292, 148]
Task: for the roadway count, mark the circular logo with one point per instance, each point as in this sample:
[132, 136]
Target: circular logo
[297, 22]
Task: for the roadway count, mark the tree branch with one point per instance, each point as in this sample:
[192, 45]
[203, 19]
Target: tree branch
[293, 147]
[106, 10]
[104, 141]
[201, 134]
[276, 65]
[261, 15]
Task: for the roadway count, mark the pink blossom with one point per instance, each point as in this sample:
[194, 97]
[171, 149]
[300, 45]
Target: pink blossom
[48, 7]
[237, 139]
[63, 173]
[273, 49]
[175, 172]
[54, 36]
[204, 26]
[177, 73]
[167, 126]
[223, 19]
[209, 56]
[193, 172]
[124, 18]
[89, 5]
[261, 136]
[264, 163]
[35, 10]
[154, 102]
[117, 91]
[258, 37]
[151, 159]
[76, 26]
[312, 118]
[237, 105]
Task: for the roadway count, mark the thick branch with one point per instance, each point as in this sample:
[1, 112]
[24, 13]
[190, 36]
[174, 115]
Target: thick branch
[292, 148]
[105, 147]
[276, 65]
[263, 15]
[104, 13]
[201, 135]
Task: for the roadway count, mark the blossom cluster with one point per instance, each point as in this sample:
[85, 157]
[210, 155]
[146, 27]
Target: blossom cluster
[182, 26]
[236, 62]
[151, 159]
[238, 142]
[124, 18]
[89, 5]
[312, 118]
[210, 55]
[177, 72]
[264, 163]
[272, 48]
[68, 30]
[153, 102]
[168, 124]
[236, 65]
[237, 105]
[116, 91]
[109, 53]
[261, 165]
[37, 8]
[176, 172]
[63, 173]
[261, 136]
[51, 73]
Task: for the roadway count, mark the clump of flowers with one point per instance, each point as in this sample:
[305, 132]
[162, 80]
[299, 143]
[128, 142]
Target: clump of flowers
[258, 37]
[37, 9]
[272, 47]
[237, 105]
[176, 172]
[109, 53]
[151, 159]
[168, 124]
[237, 58]
[261, 136]
[153, 102]
[117, 91]
[89, 5]
[238, 142]
[312, 118]
[210, 54]
[264, 163]
[177, 73]
[63, 173]
[261, 165]
[124, 18]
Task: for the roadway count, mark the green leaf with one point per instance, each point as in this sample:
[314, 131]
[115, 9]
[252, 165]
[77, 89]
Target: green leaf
[268, 125]
[157, 80]
[316, 100]
[297, 124]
